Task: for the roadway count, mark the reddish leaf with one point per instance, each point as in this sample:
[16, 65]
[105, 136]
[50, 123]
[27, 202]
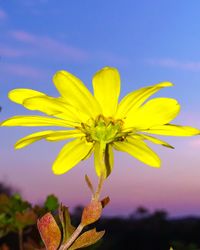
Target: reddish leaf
[91, 213]
[105, 201]
[86, 239]
[49, 231]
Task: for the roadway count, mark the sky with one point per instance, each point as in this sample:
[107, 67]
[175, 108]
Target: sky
[148, 42]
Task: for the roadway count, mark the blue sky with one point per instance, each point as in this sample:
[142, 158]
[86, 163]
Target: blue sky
[149, 42]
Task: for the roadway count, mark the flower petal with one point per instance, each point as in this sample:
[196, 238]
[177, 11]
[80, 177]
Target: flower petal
[29, 139]
[134, 99]
[139, 150]
[70, 155]
[157, 111]
[50, 135]
[19, 95]
[173, 130]
[76, 94]
[34, 121]
[53, 106]
[103, 159]
[152, 139]
[64, 135]
[106, 84]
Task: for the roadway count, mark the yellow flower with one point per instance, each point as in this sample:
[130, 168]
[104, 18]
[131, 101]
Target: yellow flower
[98, 123]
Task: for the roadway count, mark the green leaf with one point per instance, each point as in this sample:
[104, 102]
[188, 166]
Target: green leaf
[51, 203]
[89, 183]
[4, 203]
[25, 219]
[68, 228]
[17, 204]
[86, 239]
[49, 231]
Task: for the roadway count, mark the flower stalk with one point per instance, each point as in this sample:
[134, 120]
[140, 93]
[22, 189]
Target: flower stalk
[92, 210]
[73, 237]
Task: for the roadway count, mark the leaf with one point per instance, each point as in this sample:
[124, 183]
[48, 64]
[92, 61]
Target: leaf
[86, 239]
[68, 228]
[51, 203]
[49, 231]
[91, 213]
[105, 201]
[17, 204]
[4, 203]
[24, 219]
[89, 183]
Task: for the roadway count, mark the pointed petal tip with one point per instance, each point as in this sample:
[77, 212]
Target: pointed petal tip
[16, 147]
[108, 68]
[156, 165]
[165, 84]
[3, 123]
[112, 71]
[57, 171]
[62, 73]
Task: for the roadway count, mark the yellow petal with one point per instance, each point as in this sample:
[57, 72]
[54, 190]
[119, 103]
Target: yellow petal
[29, 121]
[173, 130]
[139, 150]
[106, 84]
[70, 155]
[64, 135]
[157, 111]
[76, 94]
[29, 139]
[151, 139]
[19, 95]
[136, 98]
[53, 106]
[50, 135]
[103, 159]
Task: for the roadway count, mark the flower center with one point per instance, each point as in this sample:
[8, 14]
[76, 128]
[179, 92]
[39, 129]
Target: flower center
[103, 129]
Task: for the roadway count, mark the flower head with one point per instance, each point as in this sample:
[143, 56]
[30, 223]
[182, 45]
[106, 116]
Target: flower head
[98, 123]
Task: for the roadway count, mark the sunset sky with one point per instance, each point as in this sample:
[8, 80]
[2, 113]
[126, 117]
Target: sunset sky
[149, 42]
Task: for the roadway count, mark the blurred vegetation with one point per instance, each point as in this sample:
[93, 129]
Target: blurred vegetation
[142, 230]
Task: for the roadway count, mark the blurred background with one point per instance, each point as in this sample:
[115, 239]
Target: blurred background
[149, 42]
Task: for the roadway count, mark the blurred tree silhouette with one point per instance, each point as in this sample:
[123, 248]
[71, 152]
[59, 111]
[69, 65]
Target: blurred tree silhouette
[5, 189]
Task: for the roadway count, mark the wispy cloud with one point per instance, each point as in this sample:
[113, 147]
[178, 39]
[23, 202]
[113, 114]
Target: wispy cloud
[8, 51]
[176, 64]
[51, 46]
[23, 70]
[3, 14]
[56, 49]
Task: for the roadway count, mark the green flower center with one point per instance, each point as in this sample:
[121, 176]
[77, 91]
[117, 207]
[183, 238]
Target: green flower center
[103, 129]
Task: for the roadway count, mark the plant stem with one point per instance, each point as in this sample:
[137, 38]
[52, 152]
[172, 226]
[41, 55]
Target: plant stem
[20, 233]
[78, 230]
[72, 238]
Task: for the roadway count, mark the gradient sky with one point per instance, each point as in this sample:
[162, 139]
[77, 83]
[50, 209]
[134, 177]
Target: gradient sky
[149, 42]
